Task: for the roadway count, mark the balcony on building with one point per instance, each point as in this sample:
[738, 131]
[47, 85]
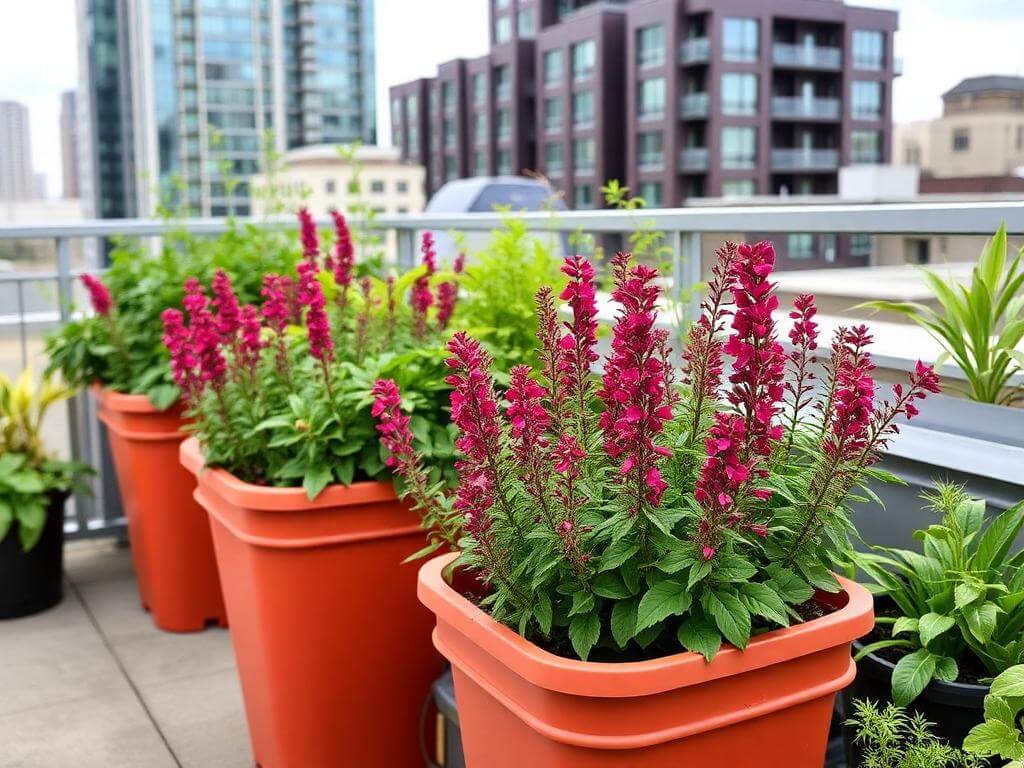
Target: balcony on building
[805, 159]
[807, 56]
[693, 105]
[803, 108]
[695, 50]
[693, 159]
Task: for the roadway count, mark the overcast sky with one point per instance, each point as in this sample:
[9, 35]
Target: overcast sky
[940, 41]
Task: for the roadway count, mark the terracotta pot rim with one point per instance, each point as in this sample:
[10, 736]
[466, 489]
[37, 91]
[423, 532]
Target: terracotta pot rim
[125, 402]
[636, 678]
[274, 499]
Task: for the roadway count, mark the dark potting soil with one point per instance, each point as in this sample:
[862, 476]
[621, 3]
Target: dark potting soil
[971, 670]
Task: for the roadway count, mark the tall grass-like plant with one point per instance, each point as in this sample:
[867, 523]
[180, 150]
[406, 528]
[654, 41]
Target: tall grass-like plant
[980, 326]
[892, 738]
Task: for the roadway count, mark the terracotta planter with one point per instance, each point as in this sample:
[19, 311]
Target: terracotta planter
[333, 648]
[172, 550]
[768, 706]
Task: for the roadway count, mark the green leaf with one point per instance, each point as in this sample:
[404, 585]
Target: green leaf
[965, 594]
[624, 620]
[675, 560]
[732, 568]
[6, 516]
[790, 587]
[163, 396]
[981, 620]
[946, 669]
[610, 584]
[27, 482]
[584, 632]
[542, 612]
[698, 636]
[762, 600]
[879, 645]
[931, 625]
[1009, 683]
[31, 521]
[730, 616]
[618, 553]
[582, 602]
[664, 599]
[316, 479]
[994, 738]
[912, 674]
[904, 624]
[698, 573]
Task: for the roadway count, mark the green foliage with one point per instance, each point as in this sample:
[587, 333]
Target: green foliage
[500, 283]
[890, 738]
[962, 594]
[1002, 733]
[981, 326]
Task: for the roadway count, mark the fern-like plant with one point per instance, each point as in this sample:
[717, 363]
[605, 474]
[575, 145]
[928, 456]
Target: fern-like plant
[891, 738]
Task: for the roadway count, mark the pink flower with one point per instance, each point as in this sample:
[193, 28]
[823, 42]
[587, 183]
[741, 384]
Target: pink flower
[308, 234]
[526, 413]
[702, 357]
[205, 338]
[804, 337]
[275, 308]
[421, 297]
[635, 384]
[393, 426]
[576, 347]
[250, 344]
[427, 248]
[568, 455]
[99, 295]
[344, 254]
[179, 343]
[804, 333]
[226, 304]
[459, 266]
[321, 346]
[447, 295]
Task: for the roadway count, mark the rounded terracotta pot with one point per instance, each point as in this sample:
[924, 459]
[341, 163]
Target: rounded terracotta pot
[768, 706]
[333, 648]
[172, 549]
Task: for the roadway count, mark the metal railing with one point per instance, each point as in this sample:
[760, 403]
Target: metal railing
[693, 159]
[693, 105]
[809, 56]
[683, 227]
[696, 50]
[805, 159]
[800, 107]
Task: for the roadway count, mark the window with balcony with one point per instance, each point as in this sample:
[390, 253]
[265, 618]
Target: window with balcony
[448, 97]
[866, 100]
[552, 68]
[739, 93]
[739, 188]
[552, 115]
[650, 46]
[504, 164]
[502, 84]
[480, 162]
[503, 124]
[526, 24]
[450, 168]
[649, 150]
[553, 158]
[480, 128]
[582, 197]
[961, 140]
[651, 98]
[583, 109]
[650, 191]
[479, 89]
[412, 105]
[868, 49]
[584, 59]
[502, 29]
[740, 39]
[739, 147]
[800, 245]
[583, 156]
[448, 129]
[500, 5]
[865, 146]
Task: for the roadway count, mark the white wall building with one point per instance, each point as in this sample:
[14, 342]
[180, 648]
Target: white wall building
[16, 178]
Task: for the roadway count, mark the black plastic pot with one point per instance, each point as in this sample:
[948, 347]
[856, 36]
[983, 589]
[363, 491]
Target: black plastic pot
[954, 708]
[33, 581]
[443, 692]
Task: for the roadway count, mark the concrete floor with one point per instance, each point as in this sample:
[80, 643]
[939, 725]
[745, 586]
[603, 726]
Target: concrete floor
[92, 683]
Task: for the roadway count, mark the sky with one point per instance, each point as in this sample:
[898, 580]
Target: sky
[940, 42]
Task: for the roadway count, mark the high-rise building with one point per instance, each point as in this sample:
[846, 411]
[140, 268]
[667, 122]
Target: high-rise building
[69, 143]
[17, 181]
[183, 95]
[678, 98]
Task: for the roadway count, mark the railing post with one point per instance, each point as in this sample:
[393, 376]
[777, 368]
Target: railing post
[687, 269]
[406, 248]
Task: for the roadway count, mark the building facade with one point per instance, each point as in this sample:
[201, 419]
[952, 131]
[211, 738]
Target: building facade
[184, 96]
[699, 98]
[69, 144]
[17, 182]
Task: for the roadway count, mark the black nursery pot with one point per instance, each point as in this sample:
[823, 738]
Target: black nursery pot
[954, 708]
[33, 581]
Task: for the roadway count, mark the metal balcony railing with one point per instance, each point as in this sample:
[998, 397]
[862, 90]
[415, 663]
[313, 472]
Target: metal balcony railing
[800, 108]
[696, 50]
[693, 159]
[693, 105]
[805, 159]
[806, 56]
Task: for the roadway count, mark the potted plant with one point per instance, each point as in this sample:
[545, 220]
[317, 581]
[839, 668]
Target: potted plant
[891, 738]
[117, 350]
[951, 615]
[333, 649]
[33, 488]
[626, 531]
[1002, 733]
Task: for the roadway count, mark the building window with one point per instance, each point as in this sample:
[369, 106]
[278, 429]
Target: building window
[860, 244]
[582, 197]
[650, 46]
[377, 186]
[961, 140]
[402, 187]
[868, 49]
[650, 191]
[583, 109]
[649, 151]
[448, 129]
[583, 156]
[800, 246]
[503, 121]
[740, 39]
[480, 89]
[865, 146]
[448, 97]
[412, 105]
[502, 84]
[450, 168]
[867, 100]
[739, 147]
[525, 22]
[504, 166]
[480, 162]
[739, 94]
[651, 98]
[553, 114]
[502, 29]
[584, 59]
[480, 128]
[329, 187]
[553, 158]
[739, 188]
[552, 68]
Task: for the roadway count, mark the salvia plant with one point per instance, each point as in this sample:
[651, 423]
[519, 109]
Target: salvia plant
[889, 737]
[634, 515]
[1002, 733]
[961, 596]
[280, 393]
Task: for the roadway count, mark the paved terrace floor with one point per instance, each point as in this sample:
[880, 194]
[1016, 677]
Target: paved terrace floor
[93, 684]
